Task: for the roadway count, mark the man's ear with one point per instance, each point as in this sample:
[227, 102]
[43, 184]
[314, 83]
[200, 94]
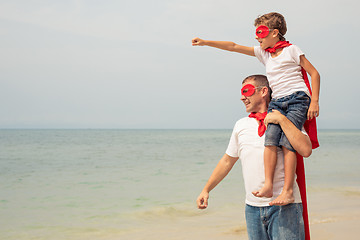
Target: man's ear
[264, 91]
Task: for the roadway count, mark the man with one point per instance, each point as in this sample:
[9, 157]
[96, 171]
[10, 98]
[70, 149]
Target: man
[247, 143]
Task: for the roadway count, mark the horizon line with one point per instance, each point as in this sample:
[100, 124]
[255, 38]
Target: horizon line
[113, 128]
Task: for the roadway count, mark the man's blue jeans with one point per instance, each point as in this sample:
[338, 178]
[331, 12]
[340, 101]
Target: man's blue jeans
[275, 222]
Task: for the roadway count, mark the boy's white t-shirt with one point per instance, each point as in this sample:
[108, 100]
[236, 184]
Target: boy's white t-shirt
[284, 71]
[246, 144]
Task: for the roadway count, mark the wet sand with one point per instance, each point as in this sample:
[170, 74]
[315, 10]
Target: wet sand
[333, 214]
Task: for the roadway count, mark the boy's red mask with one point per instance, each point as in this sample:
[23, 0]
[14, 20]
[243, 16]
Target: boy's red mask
[262, 31]
[248, 90]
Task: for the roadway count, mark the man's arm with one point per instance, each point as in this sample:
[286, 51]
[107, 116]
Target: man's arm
[224, 45]
[300, 142]
[221, 170]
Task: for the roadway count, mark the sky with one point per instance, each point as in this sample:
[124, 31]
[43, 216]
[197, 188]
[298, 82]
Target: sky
[130, 64]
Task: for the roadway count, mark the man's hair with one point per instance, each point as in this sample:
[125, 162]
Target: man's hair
[273, 20]
[260, 80]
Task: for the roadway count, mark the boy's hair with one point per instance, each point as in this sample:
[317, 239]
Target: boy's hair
[273, 20]
[261, 80]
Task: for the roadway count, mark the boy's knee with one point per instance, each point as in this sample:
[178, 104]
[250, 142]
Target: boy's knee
[285, 143]
[272, 135]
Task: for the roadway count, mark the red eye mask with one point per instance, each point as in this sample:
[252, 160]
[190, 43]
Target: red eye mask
[262, 31]
[248, 90]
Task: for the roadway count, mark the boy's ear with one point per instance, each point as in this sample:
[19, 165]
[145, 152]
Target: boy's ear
[275, 32]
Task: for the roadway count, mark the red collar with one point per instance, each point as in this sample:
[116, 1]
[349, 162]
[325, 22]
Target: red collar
[279, 44]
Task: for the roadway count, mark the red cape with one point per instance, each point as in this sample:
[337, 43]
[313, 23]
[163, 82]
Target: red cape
[310, 128]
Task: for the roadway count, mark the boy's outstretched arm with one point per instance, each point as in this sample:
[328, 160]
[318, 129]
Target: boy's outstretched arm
[224, 45]
[315, 86]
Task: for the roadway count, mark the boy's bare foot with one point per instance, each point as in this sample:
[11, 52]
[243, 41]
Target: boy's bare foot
[283, 199]
[265, 191]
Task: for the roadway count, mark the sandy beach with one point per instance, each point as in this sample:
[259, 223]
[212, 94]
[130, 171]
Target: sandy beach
[334, 214]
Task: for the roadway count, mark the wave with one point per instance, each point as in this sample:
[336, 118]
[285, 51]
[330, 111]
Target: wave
[166, 212]
[323, 220]
[240, 230]
[347, 191]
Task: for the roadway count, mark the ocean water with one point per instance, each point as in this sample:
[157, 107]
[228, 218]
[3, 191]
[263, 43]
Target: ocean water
[122, 184]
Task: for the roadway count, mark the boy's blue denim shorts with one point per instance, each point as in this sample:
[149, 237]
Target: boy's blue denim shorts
[295, 108]
[275, 222]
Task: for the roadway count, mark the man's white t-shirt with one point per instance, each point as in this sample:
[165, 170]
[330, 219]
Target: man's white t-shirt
[246, 144]
[284, 71]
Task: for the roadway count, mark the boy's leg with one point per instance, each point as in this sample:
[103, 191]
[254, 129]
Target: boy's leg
[296, 113]
[272, 138]
[286, 196]
[270, 159]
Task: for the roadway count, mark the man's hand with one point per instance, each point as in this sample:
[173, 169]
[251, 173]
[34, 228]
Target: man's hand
[274, 117]
[313, 110]
[198, 42]
[202, 200]
[300, 141]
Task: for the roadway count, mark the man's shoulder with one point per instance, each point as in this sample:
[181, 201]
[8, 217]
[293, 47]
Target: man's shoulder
[244, 122]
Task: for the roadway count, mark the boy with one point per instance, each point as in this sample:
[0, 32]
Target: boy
[284, 63]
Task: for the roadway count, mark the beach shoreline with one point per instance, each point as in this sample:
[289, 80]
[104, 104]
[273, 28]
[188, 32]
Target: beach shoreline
[328, 220]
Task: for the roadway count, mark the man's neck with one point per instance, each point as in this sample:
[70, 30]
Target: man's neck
[262, 110]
